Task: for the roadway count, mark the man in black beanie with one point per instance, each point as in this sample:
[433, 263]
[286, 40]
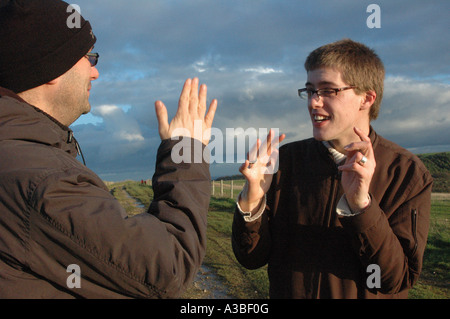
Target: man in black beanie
[62, 234]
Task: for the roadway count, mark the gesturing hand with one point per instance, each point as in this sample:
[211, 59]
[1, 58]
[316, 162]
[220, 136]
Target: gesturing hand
[258, 171]
[191, 108]
[357, 172]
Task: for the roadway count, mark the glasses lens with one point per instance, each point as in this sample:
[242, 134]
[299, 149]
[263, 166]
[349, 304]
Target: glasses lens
[327, 92]
[303, 94]
[93, 58]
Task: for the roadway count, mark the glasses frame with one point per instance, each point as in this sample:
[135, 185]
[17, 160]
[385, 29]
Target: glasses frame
[92, 58]
[320, 93]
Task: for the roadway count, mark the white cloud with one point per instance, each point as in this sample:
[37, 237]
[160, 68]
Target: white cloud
[262, 70]
[130, 137]
[106, 110]
[414, 112]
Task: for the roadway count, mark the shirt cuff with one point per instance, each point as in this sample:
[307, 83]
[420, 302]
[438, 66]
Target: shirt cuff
[343, 209]
[248, 215]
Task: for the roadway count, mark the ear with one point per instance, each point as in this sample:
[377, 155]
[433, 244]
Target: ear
[368, 99]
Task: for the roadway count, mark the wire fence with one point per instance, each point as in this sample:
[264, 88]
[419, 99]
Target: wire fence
[226, 188]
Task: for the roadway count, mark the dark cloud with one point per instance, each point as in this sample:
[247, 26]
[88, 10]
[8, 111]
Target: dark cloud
[251, 55]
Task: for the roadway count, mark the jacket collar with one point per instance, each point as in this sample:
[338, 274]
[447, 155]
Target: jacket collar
[22, 121]
[326, 152]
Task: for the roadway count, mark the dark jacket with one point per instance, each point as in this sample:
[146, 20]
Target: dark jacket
[55, 212]
[313, 253]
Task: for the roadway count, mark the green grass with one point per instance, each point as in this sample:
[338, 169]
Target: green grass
[241, 283]
[144, 193]
[434, 282]
[225, 190]
[128, 192]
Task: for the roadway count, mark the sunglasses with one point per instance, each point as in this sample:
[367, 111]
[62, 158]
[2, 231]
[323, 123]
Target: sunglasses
[92, 57]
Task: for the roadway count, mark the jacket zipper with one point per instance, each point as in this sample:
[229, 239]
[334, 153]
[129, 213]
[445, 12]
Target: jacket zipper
[414, 228]
[71, 139]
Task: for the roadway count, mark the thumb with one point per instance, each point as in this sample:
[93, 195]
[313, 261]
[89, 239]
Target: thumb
[244, 167]
[163, 123]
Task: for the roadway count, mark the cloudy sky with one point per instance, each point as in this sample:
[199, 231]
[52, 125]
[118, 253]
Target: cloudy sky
[250, 53]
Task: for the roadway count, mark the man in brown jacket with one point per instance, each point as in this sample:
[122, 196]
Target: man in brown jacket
[62, 234]
[347, 213]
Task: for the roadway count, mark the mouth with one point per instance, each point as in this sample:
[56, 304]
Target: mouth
[319, 119]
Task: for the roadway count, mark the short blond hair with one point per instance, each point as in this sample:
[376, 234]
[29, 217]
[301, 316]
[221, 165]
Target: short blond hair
[359, 66]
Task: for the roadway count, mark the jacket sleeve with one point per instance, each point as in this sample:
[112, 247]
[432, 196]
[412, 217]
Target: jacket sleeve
[394, 239]
[251, 241]
[152, 255]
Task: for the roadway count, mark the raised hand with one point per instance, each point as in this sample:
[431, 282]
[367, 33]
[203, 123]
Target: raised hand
[258, 171]
[357, 172]
[191, 110]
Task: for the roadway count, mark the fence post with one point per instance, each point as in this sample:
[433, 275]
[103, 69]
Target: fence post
[213, 187]
[221, 188]
[231, 191]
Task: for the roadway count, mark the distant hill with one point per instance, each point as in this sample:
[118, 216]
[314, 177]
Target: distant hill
[229, 178]
[439, 166]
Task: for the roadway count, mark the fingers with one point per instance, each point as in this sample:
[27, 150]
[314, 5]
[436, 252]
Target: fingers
[209, 118]
[355, 163]
[183, 104]
[249, 174]
[271, 143]
[264, 155]
[359, 154]
[252, 155]
[194, 98]
[278, 140]
[265, 148]
[162, 117]
[201, 109]
[361, 134]
[244, 167]
[364, 146]
[191, 108]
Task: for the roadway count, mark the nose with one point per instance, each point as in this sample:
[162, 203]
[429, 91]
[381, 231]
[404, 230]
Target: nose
[315, 101]
[94, 73]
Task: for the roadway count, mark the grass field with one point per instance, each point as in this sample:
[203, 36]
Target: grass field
[241, 283]
[434, 282]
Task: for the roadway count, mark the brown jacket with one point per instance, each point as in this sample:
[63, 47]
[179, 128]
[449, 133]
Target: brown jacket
[55, 212]
[313, 253]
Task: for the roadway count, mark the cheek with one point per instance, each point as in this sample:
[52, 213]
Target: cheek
[349, 107]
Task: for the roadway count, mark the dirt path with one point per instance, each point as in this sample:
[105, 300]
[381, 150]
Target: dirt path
[440, 196]
[206, 284]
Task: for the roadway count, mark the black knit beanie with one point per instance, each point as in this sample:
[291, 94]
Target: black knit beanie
[39, 41]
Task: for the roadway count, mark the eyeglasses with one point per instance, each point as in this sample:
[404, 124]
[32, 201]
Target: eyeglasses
[328, 92]
[92, 57]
